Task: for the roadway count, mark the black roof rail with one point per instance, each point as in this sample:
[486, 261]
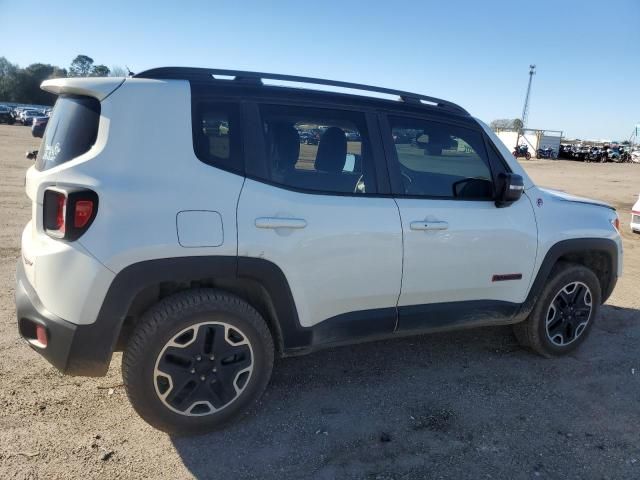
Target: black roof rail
[189, 73]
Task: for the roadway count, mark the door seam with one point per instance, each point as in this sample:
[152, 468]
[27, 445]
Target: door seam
[395, 328]
[244, 180]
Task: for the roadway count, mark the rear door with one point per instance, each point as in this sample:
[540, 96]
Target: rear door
[465, 260]
[310, 205]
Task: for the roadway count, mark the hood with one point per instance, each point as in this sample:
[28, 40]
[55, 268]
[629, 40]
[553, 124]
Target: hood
[567, 197]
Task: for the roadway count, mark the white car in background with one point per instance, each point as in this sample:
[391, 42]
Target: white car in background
[635, 216]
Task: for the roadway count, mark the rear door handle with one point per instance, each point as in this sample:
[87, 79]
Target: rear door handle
[423, 225]
[279, 222]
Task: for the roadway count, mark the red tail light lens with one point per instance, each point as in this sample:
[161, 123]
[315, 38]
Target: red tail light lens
[61, 207]
[67, 215]
[55, 212]
[82, 213]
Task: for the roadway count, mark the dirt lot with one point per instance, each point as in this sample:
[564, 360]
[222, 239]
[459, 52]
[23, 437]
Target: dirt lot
[457, 405]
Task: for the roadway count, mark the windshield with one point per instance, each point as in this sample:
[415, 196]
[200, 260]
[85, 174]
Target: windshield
[71, 131]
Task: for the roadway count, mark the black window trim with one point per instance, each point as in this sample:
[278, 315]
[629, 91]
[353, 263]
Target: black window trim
[257, 162]
[502, 166]
[395, 177]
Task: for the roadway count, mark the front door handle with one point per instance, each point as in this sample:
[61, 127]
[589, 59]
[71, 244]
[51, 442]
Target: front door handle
[280, 222]
[424, 225]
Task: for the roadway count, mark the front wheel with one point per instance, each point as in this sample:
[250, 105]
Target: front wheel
[196, 360]
[528, 156]
[564, 313]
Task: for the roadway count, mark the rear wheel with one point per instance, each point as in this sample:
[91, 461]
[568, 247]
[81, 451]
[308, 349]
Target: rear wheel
[196, 360]
[564, 313]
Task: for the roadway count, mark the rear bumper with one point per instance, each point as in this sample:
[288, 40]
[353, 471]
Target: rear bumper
[67, 348]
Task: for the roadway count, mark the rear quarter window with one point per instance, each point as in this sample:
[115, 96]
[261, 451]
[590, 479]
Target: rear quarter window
[72, 130]
[217, 137]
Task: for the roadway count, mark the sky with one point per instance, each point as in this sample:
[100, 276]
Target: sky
[475, 53]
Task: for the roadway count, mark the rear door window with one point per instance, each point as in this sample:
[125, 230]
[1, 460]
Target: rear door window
[72, 130]
[318, 150]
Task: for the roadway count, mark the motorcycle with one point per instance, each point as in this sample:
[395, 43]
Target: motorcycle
[522, 151]
[546, 152]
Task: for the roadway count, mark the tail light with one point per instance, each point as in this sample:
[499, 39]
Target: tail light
[616, 223]
[67, 215]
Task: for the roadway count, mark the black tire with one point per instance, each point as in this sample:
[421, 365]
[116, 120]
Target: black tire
[174, 319]
[532, 333]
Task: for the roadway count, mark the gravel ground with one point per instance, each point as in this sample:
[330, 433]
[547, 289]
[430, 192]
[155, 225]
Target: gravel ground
[469, 404]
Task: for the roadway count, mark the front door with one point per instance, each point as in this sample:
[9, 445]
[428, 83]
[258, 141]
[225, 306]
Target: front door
[465, 260]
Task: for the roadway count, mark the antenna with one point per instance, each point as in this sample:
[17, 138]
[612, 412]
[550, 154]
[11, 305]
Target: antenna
[525, 109]
[129, 72]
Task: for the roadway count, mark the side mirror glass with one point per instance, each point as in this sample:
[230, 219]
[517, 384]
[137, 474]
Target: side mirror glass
[510, 189]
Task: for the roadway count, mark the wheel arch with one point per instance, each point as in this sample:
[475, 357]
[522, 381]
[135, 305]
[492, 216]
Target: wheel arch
[139, 286]
[600, 255]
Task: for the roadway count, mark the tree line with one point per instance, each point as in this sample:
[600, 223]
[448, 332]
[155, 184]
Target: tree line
[506, 124]
[22, 85]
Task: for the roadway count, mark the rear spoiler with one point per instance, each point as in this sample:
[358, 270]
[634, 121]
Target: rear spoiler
[98, 87]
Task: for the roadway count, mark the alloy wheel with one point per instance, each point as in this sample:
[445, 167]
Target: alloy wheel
[569, 314]
[203, 368]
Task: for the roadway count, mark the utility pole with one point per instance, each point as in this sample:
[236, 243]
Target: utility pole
[525, 109]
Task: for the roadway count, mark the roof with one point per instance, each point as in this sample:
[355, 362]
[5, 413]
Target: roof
[256, 78]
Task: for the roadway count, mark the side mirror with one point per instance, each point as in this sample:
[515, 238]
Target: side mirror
[31, 155]
[510, 188]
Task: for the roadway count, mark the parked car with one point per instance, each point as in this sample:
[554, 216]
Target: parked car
[352, 136]
[578, 152]
[38, 126]
[309, 138]
[565, 152]
[613, 155]
[233, 254]
[6, 115]
[28, 116]
[595, 154]
[635, 216]
[625, 154]
[403, 137]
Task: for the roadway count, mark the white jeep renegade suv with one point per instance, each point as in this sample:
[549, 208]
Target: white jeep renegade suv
[204, 225]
